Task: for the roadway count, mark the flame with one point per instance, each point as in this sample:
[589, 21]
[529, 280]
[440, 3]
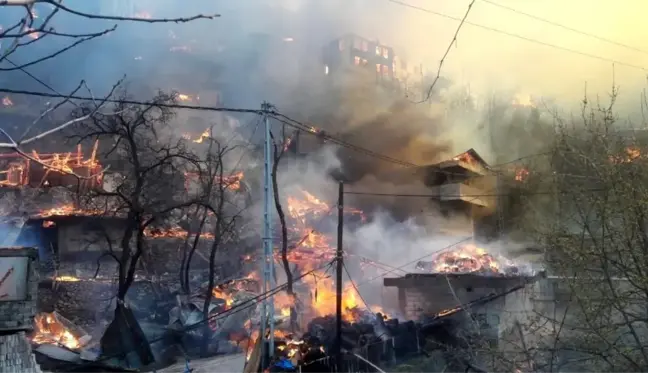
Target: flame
[48, 224]
[68, 210]
[467, 159]
[466, 259]
[184, 97]
[521, 174]
[49, 330]
[232, 182]
[203, 136]
[631, 154]
[313, 250]
[222, 294]
[20, 170]
[66, 279]
[174, 232]
[6, 101]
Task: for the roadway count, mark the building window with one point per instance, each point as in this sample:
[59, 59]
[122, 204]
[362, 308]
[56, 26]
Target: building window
[364, 62]
[385, 70]
[365, 46]
[378, 50]
[356, 60]
[357, 43]
[326, 70]
[341, 44]
[385, 52]
[378, 68]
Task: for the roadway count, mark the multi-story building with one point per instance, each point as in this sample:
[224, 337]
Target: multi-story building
[351, 50]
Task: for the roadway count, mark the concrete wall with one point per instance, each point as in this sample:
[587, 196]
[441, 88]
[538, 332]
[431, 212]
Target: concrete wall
[16, 315]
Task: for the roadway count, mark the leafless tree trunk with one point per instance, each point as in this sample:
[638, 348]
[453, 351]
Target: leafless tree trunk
[278, 152]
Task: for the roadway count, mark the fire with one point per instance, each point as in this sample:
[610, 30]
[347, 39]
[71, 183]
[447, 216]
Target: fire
[467, 159]
[67, 279]
[521, 174]
[48, 224]
[203, 136]
[174, 232]
[466, 259]
[232, 182]
[6, 101]
[313, 250]
[21, 171]
[49, 330]
[68, 210]
[300, 208]
[631, 154]
[222, 294]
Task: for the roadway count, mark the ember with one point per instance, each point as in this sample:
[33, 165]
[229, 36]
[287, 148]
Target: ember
[6, 101]
[466, 259]
[175, 232]
[68, 210]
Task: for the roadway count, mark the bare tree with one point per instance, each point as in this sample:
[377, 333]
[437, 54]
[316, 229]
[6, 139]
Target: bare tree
[34, 21]
[148, 178]
[280, 146]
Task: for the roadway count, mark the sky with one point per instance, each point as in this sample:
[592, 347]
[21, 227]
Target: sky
[490, 60]
[484, 60]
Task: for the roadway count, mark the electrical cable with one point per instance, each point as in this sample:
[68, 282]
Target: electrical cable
[465, 195]
[355, 287]
[568, 28]
[511, 34]
[415, 260]
[232, 310]
[445, 55]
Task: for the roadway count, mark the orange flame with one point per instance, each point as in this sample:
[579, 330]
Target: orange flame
[521, 174]
[49, 330]
[466, 259]
[174, 232]
[68, 210]
[631, 154]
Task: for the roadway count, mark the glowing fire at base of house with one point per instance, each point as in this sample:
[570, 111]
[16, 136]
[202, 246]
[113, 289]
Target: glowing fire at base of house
[50, 330]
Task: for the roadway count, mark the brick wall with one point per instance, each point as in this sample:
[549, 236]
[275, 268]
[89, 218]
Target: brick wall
[17, 313]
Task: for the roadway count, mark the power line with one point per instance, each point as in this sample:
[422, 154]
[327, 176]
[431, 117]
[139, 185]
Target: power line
[452, 42]
[568, 28]
[518, 36]
[465, 195]
[415, 261]
[131, 102]
[274, 114]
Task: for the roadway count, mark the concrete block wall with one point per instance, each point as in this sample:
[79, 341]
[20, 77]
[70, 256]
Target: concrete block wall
[16, 354]
[17, 317]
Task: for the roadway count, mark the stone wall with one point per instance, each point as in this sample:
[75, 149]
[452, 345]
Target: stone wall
[17, 310]
[16, 355]
[18, 314]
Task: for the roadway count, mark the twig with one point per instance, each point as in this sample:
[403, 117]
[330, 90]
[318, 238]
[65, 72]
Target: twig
[452, 42]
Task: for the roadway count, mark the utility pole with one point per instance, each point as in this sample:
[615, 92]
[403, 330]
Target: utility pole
[267, 309]
[340, 264]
